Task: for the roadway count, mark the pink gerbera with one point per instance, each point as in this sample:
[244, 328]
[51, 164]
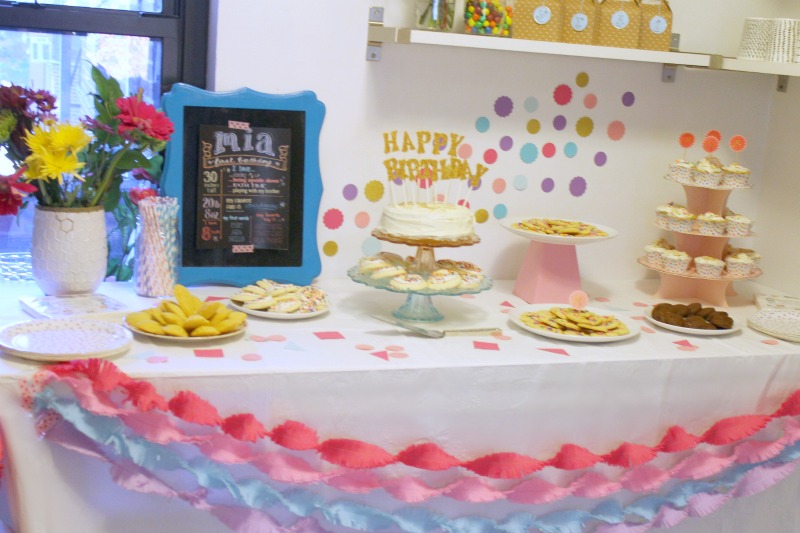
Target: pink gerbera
[135, 114]
[13, 192]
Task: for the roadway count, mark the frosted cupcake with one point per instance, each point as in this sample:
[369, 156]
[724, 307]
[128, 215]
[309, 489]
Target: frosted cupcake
[676, 262]
[708, 267]
[711, 224]
[739, 265]
[681, 171]
[738, 225]
[662, 215]
[735, 176]
[654, 252]
[707, 174]
[681, 220]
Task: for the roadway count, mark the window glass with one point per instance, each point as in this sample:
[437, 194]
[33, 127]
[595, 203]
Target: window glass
[145, 6]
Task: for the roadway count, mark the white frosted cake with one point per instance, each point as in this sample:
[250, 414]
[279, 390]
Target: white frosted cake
[430, 220]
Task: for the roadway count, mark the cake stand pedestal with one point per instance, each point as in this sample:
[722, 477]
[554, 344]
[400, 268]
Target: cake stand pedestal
[549, 272]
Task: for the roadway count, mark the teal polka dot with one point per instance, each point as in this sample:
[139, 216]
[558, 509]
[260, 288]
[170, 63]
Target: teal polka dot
[528, 153]
[370, 246]
[482, 124]
[500, 211]
[531, 104]
[520, 182]
[570, 150]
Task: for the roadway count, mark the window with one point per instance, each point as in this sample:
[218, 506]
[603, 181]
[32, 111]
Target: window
[50, 45]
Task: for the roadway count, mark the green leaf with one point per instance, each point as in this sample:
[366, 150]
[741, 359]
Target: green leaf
[131, 160]
[111, 199]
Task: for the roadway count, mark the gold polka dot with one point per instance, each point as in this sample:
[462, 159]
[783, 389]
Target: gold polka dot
[584, 126]
[533, 126]
[582, 79]
[481, 216]
[330, 248]
[374, 191]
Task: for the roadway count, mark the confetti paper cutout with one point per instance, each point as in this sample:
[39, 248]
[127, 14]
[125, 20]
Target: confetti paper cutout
[507, 304]
[276, 338]
[557, 351]
[684, 343]
[328, 335]
[383, 354]
[258, 338]
[365, 347]
[482, 345]
[638, 317]
[771, 342]
[602, 300]
[157, 359]
[214, 353]
[294, 347]
[640, 304]
[394, 348]
[251, 357]
[646, 329]
[398, 355]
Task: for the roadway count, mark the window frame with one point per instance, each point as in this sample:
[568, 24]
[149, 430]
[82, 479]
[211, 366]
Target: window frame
[182, 28]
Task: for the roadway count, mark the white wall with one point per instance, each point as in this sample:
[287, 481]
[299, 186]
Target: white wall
[318, 46]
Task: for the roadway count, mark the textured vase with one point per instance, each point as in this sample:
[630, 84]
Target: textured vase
[69, 250]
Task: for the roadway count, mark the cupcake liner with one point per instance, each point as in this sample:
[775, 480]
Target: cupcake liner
[681, 225]
[706, 179]
[676, 266]
[709, 271]
[738, 269]
[705, 227]
[735, 180]
[738, 229]
[680, 174]
[662, 220]
[655, 259]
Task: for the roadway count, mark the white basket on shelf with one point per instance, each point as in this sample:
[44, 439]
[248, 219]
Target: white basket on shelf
[756, 38]
[786, 37]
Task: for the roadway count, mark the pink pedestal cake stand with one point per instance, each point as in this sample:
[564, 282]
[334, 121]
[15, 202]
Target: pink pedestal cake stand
[549, 272]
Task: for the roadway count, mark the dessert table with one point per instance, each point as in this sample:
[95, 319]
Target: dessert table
[370, 397]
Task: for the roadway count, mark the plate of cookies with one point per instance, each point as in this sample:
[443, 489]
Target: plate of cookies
[559, 231]
[590, 325]
[692, 319]
[280, 301]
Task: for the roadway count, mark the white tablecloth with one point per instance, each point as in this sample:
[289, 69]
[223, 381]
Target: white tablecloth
[348, 375]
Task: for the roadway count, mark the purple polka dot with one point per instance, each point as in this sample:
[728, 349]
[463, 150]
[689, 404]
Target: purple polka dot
[506, 143]
[577, 186]
[548, 185]
[503, 106]
[560, 122]
[628, 98]
[350, 192]
[397, 181]
[600, 159]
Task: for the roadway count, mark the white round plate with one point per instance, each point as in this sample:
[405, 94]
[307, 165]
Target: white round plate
[780, 323]
[693, 331]
[557, 239]
[278, 316]
[64, 339]
[633, 327]
[170, 338]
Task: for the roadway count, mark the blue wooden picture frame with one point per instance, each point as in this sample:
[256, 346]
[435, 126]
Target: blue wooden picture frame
[300, 264]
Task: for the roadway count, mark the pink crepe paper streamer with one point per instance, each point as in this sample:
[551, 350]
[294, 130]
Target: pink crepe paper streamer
[244, 427]
[354, 454]
[188, 406]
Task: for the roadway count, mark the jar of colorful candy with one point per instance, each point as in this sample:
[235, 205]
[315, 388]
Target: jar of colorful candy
[488, 17]
[435, 15]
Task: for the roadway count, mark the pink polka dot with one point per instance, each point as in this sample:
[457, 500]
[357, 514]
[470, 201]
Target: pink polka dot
[362, 219]
[398, 355]
[490, 156]
[616, 130]
[156, 359]
[549, 150]
[506, 311]
[258, 338]
[333, 219]
[499, 185]
[501, 337]
[602, 300]
[465, 151]
[687, 348]
[394, 348]
[590, 101]
[276, 338]
[563, 94]
[640, 304]
[365, 347]
[771, 342]
[251, 357]
[638, 317]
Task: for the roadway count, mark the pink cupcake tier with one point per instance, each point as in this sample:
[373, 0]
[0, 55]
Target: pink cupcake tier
[693, 232]
[715, 188]
[692, 273]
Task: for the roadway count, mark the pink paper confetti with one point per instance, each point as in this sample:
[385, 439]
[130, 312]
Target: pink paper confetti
[394, 348]
[398, 355]
[481, 345]
[771, 342]
[687, 348]
[507, 304]
[156, 359]
[215, 298]
[468, 296]
[383, 354]
[684, 343]
[647, 330]
[365, 347]
[602, 300]
[276, 338]
[209, 353]
[251, 357]
[639, 317]
[328, 335]
[640, 304]
[558, 351]
[501, 337]
[258, 338]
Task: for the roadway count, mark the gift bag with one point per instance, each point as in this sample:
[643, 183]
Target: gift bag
[538, 20]
[656, 28]
[578, 21]
[618, 23]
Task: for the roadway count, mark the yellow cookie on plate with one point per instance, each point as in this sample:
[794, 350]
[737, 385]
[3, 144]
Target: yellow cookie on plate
[174, 330]
[204, 331]
[260, 304]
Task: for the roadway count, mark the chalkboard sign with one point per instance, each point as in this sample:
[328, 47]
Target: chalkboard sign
[245, 168]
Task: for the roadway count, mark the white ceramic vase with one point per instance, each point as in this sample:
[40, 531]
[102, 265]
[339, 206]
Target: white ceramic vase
[69, 250]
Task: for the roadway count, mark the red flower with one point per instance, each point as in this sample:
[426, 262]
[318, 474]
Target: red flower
[13, 192]
[139, 193]
[9, 203]
[137, 115]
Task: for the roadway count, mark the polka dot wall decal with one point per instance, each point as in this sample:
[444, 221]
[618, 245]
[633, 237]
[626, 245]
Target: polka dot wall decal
[590, 101]
[481, 216]
[503, 106]
[549, 150]
[570, 149]
[506, 143]
[533, 126]
[482, 124]
[465, 151]
[563, 94]
[374, 191]
[499, 185]
[490, 156]
[560, 122]
[362, 219]
[616, 130]
[350, 192]
[628, 99]
[500, 211]
[531, 104]
[582, 79]
[577, 186]
[333, 219]
[584, 126]
[330, 248]
[528, 153]
[370, 246]
[548, 185]
[600, 159]
[520, 182]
